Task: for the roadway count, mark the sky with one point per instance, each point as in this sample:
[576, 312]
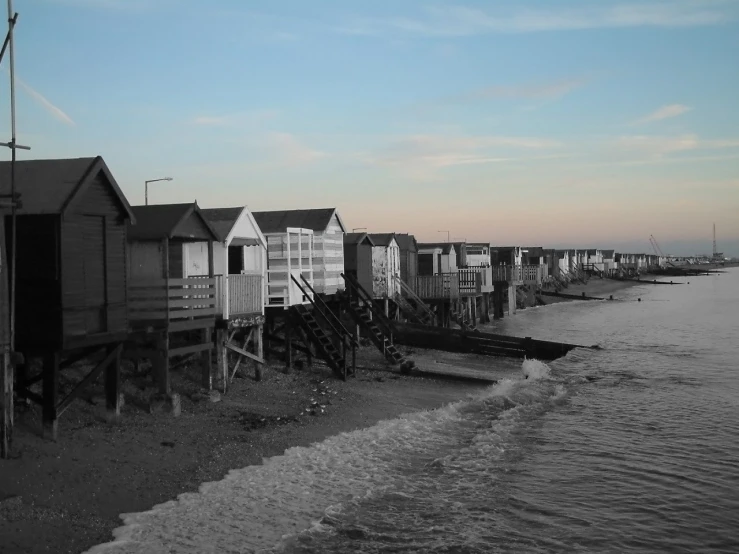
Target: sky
[572, 123]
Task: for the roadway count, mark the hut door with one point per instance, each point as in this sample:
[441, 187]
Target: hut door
[93, 236]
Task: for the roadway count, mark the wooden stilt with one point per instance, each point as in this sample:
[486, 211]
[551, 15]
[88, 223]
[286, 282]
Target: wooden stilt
[258, 347]
[221, 360]
[288, 343]
[50, 394]
[160, 364]
[6, 405]
[206, 360]
[113, 383]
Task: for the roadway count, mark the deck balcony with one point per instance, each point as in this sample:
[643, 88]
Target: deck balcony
[173, 304]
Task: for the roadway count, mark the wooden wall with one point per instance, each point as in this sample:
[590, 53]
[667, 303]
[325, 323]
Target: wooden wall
[385, 264]
[328, 258]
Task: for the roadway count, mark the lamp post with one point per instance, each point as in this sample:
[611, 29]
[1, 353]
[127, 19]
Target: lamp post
[447, 234]
[146, 187]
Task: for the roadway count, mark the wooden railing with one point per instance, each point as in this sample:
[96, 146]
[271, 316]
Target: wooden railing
[441, 286]
[166, 300]
[282, 290]
[501, 273]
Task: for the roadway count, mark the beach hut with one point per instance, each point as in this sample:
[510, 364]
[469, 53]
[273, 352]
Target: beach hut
[240, 258]
[165, 299]
[70, 266]
[302, 242]
[408, 257]
[460, 252]
[436, 258]
[385, 266]
[478, 254]
[358, 258]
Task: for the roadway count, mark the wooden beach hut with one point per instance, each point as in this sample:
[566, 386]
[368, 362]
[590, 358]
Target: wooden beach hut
[70, 266]
[358, 258]
[171, 313]
[408, 257]
[478, 254]
[436, 258]
[302, 242]
[240, 258]
[385, 266]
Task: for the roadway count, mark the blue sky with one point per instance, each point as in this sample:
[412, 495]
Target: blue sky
[562, 123]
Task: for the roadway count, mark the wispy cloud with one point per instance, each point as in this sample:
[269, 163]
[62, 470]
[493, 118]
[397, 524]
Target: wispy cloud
[55, 111]
[423, 156]
[658, 146]
[665, 112]
[551, 90]
[287, 149]
[457, 21]
[235, 119]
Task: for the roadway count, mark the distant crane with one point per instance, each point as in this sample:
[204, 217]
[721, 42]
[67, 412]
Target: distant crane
[716, 255]
[658, 250]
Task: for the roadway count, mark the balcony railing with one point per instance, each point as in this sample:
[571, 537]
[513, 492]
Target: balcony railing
[167, 301]
[438, 287]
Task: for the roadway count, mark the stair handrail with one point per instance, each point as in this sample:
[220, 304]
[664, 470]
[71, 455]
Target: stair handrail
[420, 304]
[368, 299]
[333, 321]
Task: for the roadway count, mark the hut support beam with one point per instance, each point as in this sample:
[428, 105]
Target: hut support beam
[50, 394]
[6, 410]
[206, 361]
[113, 384]
[259, 347]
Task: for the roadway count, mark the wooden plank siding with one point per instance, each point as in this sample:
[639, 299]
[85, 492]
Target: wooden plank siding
[328, 258]
[279, 284]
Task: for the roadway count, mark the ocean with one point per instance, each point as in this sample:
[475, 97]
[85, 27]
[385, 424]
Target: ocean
[633, 447]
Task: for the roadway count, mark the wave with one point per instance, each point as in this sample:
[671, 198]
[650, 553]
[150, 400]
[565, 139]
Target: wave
[308, 490]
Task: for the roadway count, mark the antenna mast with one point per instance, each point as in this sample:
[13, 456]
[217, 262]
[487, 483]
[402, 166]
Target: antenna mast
[715, 251]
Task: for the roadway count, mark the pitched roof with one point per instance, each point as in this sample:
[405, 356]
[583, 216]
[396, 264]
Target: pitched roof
[382, 239]
[357, 238]
[406, 242]
[278, 221]
[446, 247]
[50, 186]
[222, 219]
[160, 221]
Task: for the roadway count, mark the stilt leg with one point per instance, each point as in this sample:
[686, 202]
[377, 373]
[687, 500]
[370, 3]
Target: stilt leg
[161, 364]
[113, 385]
[221, 360]
[6, 405]
[50, 394]
[288, 344]
[207, 361]
[258, 347]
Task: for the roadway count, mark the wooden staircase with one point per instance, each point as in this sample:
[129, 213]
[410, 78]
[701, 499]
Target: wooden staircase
[412, 306]
[325, 331]
[362, 310]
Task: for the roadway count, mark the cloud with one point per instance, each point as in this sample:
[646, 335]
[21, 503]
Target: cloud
[665, 112]
[657, 146]
[555, 89]
[234, 119]
[47, 105]
[287, 149]
[459, 21]
[423, 156]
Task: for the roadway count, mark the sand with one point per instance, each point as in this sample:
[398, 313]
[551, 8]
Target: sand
[67, 496]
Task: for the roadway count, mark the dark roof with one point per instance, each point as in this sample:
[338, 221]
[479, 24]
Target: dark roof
[357, 238]
[278, 221]
[160, 221]
[446, 247]
[406, 242]
[222, 219]
[50, 186]
[382, 239]
[607, 253]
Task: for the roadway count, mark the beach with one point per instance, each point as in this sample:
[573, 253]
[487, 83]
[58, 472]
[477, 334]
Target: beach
[67, 496]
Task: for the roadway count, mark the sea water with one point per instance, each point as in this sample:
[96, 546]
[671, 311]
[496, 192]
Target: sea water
[633, 447]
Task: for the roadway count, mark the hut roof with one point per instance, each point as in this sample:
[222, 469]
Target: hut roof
[278, 221]
[382, 239]
[160, 221]
[52, 186]
[608, 253]
[223, 221]
[446, 247]
[406, 242]
[357, 238]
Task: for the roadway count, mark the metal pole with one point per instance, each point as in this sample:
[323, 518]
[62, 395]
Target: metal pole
[13, 241]
[146, 193]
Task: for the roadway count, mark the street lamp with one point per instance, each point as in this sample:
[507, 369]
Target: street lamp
[146, 187]
[447, 234]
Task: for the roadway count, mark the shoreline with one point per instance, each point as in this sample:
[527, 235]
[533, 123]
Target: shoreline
[67, 496]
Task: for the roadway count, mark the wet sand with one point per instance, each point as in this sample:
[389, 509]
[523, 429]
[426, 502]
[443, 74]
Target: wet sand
[67, 496]
[601, 288]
